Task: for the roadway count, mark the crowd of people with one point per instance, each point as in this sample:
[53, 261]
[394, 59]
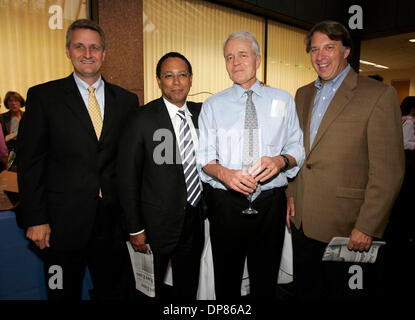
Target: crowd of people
[96, 170]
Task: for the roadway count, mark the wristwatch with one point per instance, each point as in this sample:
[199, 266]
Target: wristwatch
[287, 162]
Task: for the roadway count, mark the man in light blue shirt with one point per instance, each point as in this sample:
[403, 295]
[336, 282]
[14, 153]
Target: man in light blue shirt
[324, 95]
[276, 153]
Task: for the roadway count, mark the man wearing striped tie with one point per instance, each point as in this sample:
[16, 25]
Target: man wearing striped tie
[159, 185]
[256, 128]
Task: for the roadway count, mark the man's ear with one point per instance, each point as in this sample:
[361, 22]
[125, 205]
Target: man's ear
[258, 61]
[346, 53]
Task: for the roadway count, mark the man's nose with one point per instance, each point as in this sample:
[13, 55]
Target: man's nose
[320, 54]
[87, 52]
[176, 78]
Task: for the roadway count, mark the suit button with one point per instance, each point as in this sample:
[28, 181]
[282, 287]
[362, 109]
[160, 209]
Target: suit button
[308, 166]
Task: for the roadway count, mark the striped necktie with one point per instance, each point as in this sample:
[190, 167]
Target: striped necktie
[94, 111]
[251, 139]
[187, 153]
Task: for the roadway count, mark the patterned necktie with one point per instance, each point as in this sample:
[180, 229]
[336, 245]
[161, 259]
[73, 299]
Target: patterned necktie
[95, 115]
[94, 112]
[251, 139]
[187, 153]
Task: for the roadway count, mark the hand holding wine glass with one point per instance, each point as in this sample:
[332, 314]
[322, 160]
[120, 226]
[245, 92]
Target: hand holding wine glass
[246, 170]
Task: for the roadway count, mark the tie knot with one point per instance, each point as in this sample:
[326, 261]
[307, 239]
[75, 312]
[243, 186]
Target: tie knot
[249, 93]
[180, 113]
[91, 89]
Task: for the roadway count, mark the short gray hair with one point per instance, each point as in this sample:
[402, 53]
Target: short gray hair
[85, 24]
[246, 36]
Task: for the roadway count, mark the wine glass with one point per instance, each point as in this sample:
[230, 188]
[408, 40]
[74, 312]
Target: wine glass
[249, 210]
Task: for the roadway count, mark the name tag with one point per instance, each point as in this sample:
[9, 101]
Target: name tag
[277, 108]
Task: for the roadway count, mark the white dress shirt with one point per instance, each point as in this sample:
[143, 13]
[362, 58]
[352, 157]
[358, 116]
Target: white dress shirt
[408, 127]
[221, 125]
[176, 122]
[99, 86]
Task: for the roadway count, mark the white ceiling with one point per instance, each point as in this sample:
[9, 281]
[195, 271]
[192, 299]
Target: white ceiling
[395, 52]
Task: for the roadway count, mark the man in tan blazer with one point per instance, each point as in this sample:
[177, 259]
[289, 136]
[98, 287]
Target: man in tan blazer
[354, 163]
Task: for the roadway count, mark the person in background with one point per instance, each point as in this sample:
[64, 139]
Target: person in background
[376, 77]
[353, 169]
[159, 186]
[250, 143]
[408, 122]
[67, 145]
[4, 153]
[11, 119]
[10, 124]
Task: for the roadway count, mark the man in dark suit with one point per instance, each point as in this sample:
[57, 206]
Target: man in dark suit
[160, 190]
[66, 172]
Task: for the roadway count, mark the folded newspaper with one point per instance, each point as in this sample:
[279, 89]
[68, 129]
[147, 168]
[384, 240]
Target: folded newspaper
[337, 250]
[143, 268]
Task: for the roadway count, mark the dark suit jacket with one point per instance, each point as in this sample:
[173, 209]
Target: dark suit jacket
[153, 192]
[62, 166]
[353, 171]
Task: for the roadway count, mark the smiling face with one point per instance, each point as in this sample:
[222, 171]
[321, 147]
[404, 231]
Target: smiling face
[86, 53]
[175, 81]
[328, 57]
[241, 62]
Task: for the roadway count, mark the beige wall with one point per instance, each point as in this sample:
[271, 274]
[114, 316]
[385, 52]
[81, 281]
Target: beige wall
[33, 44]
[389, 75]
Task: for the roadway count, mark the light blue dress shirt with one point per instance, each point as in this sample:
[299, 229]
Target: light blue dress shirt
[99, 86]
[221, 125]
[325, 93]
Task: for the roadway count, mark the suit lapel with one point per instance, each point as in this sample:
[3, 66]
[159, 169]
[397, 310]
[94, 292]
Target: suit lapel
[307, 116]
[110, 108]
[195, 111]
[74, 101]
[164, 121]
[163, 117]
[340, 100]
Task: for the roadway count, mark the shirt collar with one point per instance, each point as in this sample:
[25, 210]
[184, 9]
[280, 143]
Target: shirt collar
[239, 92]
[173, 109]
[84, 86]
[337, 81]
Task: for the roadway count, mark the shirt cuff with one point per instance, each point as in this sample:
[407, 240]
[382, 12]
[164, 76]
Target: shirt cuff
[136, 233]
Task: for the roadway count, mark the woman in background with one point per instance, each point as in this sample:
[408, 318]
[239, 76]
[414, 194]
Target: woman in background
[10, 123]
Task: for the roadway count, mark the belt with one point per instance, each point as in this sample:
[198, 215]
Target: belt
[263, 195]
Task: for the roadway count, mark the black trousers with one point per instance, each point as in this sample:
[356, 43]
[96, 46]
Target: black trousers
[236, 237]
[106, 256]
[315, 279]
[185, 261]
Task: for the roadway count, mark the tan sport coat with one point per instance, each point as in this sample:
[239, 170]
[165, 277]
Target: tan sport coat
[354, 170]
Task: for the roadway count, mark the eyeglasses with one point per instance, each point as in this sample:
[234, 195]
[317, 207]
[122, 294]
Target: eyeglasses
[170, 75]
